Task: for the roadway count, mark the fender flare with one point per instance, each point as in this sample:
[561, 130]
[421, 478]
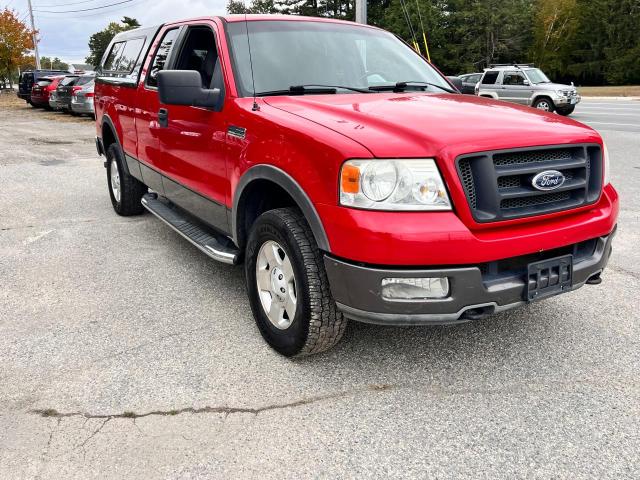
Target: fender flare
[106, 121]
[543, 93]
[287, 183]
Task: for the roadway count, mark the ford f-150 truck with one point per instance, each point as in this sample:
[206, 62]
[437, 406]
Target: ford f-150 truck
[351, 179]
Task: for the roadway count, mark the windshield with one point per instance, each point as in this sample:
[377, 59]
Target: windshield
[537, 76]
[291, 53]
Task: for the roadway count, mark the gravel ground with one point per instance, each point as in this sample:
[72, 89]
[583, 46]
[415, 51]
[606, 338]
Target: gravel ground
[125, 353]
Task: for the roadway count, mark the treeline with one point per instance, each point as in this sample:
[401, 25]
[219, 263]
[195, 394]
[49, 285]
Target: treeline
[590, 42]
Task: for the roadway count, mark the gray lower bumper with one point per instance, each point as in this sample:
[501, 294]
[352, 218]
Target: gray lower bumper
[82, 107]
[475, 292]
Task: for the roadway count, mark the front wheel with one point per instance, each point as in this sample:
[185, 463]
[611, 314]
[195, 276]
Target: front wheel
[544, 104]
[288, 286]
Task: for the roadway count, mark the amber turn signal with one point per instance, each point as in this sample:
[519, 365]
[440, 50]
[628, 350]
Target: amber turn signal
[350, 181]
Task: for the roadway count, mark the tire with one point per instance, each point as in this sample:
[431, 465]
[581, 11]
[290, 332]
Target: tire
[317, 324]
[541, 102]
[566, 111]
[125, 191]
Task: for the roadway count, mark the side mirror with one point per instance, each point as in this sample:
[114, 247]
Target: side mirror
[457, 82]
[526, 82]
[184, 87]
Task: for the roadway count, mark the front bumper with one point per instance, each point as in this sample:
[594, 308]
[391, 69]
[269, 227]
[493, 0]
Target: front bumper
[566, 101]
[475, 291]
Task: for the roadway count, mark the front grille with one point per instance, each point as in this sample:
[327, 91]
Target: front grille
[534, 201]
[499, 185]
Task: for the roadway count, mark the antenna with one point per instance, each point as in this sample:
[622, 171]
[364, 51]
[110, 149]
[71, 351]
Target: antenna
[255, 106]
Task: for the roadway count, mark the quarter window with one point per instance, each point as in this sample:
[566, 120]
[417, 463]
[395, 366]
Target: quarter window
[161, 56]
[113, 56]
[129, 56]
[490, 78]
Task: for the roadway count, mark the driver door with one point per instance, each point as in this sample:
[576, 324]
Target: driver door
[515, 87]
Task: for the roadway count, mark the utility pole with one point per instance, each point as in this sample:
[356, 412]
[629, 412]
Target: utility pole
[361, 11]
[35, 36]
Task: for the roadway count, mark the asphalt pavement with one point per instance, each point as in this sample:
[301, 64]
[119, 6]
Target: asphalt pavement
[126, 353]
[609, 115]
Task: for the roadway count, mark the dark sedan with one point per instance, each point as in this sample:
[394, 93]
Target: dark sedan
[469, 82]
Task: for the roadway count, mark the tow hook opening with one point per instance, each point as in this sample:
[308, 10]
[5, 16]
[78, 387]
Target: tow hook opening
[595, 279]
[477, 313]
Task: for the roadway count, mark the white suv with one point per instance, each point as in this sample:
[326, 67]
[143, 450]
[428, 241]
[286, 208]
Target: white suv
[527, 85]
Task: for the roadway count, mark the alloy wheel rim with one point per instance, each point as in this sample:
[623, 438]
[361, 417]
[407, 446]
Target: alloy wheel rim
[543, 106]
[115, 180]
[276, 284]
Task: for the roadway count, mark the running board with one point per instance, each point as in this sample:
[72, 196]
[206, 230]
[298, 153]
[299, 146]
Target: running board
[217, 247]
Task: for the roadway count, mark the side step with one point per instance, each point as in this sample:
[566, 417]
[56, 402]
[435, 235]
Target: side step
[217, 247]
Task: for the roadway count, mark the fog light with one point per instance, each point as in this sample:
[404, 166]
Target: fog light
[415, 288]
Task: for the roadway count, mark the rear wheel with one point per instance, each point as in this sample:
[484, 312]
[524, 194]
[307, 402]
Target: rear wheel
[288, 286]
[125, 191]
[544, 103]
[566, 111]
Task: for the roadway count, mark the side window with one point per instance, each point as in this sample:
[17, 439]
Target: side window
[160, 58]
[113, 56]
[474, 79]
[199, 53]
[490, 78]
[130, 53]
[513, 78]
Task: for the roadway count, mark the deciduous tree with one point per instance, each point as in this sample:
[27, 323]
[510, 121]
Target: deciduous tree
[99, 41]
[16, 39]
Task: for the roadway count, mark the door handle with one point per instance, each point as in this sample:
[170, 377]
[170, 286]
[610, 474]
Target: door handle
[163, 117]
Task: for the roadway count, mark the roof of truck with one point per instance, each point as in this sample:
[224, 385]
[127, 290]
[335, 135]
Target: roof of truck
[152, 30]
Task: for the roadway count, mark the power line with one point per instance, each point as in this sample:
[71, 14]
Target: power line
[65, 4]
[84, 9]
[100, 13]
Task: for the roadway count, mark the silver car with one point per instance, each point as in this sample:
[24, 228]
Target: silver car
[82, 98]
[527, 85]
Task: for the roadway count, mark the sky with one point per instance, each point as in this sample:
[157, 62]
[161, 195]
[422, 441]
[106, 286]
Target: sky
[66, 35]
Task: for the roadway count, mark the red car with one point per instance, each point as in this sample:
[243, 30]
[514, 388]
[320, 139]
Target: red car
[42, 89]
[348, 175]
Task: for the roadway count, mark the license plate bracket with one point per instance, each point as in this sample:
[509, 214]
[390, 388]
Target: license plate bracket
[549, 277]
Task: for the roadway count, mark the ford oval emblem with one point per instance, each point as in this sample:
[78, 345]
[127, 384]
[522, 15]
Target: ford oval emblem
[548, 180]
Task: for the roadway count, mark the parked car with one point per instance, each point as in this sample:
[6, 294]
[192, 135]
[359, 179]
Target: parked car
[527, 85]
[42, 89]
[469, 82]
[29, 78]
[82, 96]
[347, 175]
[60, 98]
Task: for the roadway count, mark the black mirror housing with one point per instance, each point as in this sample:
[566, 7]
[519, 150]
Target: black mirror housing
[184, 87]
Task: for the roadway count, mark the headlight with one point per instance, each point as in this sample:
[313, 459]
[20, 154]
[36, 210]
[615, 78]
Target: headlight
[393, 185]
[606, 164]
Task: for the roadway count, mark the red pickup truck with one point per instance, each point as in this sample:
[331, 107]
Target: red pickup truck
[348, 175]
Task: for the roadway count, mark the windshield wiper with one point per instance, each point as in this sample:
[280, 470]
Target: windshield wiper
[296, 90]
[337, 87]
[310, 90]
[402, 86]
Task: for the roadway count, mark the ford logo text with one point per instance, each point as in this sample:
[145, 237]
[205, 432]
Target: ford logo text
[548, 180]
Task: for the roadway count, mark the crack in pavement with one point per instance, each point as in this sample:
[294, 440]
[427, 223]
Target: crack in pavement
[624, 271]
[52, 413]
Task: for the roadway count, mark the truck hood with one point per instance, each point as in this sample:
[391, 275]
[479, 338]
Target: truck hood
[422, 124]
